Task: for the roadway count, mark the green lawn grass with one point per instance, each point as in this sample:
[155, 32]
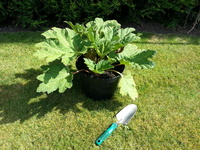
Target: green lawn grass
[168, 115]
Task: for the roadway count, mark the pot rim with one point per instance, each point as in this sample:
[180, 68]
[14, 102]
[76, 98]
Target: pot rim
[117, 76]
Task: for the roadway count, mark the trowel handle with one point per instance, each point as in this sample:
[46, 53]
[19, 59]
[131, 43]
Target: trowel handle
[106, 134]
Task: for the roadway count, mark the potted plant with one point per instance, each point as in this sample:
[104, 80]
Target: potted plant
[99, 50]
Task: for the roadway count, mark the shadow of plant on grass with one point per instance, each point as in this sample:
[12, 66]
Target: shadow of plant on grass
[20, 101]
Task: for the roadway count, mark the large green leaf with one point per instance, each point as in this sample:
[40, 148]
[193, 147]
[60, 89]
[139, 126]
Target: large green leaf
[61, 44]
[99, 67]
[141, 60]
[107, 36]
[127, 36]
[49, 50]
[138, 58]
[63, 36]
[127, 86]
[99, 23]
[56, 76]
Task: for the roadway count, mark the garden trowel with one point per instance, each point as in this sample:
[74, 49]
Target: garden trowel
[123, 117]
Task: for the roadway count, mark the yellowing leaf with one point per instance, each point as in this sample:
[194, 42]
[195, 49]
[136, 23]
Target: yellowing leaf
[127, 86]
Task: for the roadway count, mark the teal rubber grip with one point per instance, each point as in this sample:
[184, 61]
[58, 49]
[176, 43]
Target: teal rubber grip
[106, 134]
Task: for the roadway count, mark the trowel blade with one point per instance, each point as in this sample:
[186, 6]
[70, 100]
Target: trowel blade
[125, 115]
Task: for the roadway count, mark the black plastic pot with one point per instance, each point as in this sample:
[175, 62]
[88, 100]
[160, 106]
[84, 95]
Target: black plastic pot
[98, 89]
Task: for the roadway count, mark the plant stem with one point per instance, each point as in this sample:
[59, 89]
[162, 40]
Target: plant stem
[81, 71]
[117, 65]
[117, 72]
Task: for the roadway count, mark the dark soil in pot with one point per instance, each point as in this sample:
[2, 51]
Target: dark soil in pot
[98, 86]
